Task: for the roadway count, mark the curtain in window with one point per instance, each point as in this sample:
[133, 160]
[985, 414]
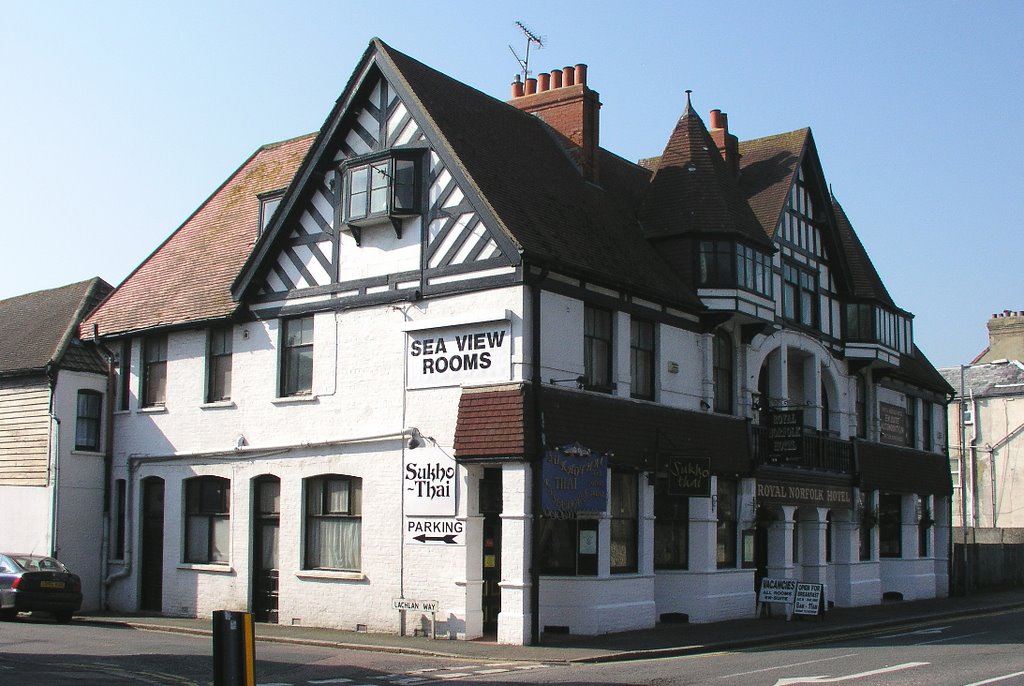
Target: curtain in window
[334, 543]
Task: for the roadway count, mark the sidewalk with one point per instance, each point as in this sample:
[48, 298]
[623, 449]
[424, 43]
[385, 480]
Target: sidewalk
[664, 640]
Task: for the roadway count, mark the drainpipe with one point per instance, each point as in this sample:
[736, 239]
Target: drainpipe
[108, 466]
[538, 459]
[51, 374]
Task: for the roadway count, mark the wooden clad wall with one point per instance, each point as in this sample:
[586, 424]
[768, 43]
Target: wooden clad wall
[24, 433]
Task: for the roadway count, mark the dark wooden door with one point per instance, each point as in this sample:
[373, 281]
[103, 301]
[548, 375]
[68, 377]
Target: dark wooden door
[151, 569]
[490, 508]
[266, 518]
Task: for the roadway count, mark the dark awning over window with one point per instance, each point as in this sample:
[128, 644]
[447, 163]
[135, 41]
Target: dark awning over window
[492, 424]
[902, 470]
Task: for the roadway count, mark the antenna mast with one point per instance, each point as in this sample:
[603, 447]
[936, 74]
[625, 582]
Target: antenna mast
[531, 37]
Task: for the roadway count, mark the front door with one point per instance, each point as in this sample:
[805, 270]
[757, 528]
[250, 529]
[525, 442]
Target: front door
[760, 550]
[152, 559]
[266, 518]
[490, 508]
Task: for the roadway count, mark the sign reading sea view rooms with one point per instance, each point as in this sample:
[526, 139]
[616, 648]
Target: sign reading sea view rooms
[449, 356]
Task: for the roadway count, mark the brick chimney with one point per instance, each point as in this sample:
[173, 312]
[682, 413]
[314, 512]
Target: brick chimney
[563, 100]
[1005, 337]
[728, 144]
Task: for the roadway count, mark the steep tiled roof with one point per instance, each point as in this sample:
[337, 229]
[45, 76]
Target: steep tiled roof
[693, 190]
[188, 278]
[768, 167]
[1004, 378]
[864, 279]
[537, 193]
[39, 329]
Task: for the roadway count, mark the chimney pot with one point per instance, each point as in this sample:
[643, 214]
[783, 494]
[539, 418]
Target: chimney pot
[531, 86]
[543, 82]
[716, 119]
[581, 74]
[517, 87]
[556, 78]
[568, 76]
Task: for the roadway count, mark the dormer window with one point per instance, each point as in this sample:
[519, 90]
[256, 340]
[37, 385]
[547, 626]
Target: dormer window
[380, 189]
[268, 205]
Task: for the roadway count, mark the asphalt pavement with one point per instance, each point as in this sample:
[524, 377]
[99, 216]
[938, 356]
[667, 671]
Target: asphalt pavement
[664, 640]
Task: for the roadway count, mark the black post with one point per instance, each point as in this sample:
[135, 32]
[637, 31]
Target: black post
[234, 649]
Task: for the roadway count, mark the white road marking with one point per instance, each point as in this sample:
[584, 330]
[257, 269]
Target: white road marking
[825, 679]
[919, 632]
[951, 638]
[995, 679]
[339, 680]
[795, 664]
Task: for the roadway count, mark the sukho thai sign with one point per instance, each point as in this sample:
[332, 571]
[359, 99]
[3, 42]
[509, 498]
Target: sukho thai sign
[690, 476]
[575, 482]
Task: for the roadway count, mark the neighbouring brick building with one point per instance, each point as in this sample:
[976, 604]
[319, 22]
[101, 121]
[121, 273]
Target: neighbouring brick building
[450, 350]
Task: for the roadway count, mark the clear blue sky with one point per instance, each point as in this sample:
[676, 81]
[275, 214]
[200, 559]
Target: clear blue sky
[117, 119]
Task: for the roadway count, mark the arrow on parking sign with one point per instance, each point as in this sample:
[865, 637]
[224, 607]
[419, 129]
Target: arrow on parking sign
[423, 538]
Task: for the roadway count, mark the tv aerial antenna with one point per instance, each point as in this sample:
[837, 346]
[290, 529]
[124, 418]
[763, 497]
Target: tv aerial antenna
[531, 38]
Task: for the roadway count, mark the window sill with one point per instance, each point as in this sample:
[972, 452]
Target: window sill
[328, 574]
[87, 451]
[218, 405]
[207, 567]
[155, 409]
[296, 400]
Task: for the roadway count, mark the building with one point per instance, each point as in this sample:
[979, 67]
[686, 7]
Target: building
[448, 360]
[54, 430]
[986, 452]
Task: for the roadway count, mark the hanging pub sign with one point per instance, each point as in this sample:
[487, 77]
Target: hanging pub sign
[575, 482]
[688, 475]
[893, 420]
[785, 428]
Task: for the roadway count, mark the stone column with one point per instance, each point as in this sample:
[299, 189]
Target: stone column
[515, 617]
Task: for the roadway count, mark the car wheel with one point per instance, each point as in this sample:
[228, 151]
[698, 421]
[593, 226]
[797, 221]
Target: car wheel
[63, 617]
[8, 615]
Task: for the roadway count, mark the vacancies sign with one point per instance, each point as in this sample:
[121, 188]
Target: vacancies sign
[455, 355]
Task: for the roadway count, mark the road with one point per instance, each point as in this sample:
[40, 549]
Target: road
[976, 651]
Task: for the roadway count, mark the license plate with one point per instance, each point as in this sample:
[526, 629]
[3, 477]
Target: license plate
[51, 584]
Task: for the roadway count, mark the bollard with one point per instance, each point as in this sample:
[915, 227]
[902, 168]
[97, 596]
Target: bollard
[234, 649]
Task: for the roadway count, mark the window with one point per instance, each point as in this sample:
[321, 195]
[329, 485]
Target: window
[625, 521]
[725, 264]
[862, 407]
[924, 525]
[597, 349]
[381, 188]
[334, 505]
[859, 322]
[641, 359]
[912, 428]
[798, 295]
[117, 526]
[722, 363]
[868, 520]
[268, 205]
[297, 357]
[154, 375]
[568, 547]
[207, 519]
[890, 525]
[726, 535]
[218, 365]
[87, 426]
[671, 528]
[715, 264]
[124, 375]
[926, 425]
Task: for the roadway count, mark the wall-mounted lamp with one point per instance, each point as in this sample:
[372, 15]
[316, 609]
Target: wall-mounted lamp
[755, 401]
[580, 381]
[417, 439]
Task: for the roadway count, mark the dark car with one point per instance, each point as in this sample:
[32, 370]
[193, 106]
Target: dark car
[30, 583]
